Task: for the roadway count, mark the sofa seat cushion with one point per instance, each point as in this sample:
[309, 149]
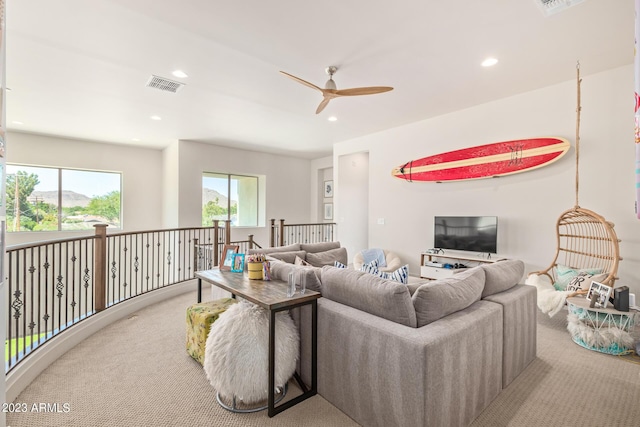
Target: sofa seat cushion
[502, 275]
[383, 298]
[437, 299]
[319, 247]
[320, 259]
[280, 270]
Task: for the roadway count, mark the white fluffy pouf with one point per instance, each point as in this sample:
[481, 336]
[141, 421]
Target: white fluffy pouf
[236, 357]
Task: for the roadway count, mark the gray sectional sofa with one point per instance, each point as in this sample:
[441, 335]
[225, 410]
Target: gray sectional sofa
[429, 354]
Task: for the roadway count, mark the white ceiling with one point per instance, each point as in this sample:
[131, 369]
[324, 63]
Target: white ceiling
[78, 68]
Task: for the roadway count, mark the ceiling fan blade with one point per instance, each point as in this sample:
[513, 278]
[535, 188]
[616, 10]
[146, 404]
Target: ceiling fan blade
[299, 80]
[323, 104]
[363, 91]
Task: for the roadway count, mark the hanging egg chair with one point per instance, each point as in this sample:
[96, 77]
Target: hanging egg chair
[587, 247]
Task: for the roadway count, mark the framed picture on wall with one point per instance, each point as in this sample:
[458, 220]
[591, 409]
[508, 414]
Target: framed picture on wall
[328, 189]
[328, 211]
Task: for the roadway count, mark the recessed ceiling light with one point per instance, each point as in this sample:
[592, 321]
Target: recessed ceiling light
[135, 139]
[16, 122]
[489, 62]
[156, 118]
[332, 118]
[180, 74]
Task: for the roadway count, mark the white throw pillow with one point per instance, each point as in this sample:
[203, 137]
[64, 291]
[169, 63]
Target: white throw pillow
[582, 281]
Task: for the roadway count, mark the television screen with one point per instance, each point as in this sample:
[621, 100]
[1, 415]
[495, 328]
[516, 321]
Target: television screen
[466, 233]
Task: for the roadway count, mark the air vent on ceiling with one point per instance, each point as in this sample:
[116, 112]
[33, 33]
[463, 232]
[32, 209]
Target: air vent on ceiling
[166, 85]
[551, 7]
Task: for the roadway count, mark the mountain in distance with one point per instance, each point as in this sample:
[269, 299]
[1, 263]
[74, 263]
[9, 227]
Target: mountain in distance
[69, 198]
[210, 195]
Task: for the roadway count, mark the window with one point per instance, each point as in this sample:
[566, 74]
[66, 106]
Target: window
[230, 197]
[54, 199]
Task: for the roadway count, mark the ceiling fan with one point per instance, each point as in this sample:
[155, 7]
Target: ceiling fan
[330, 91]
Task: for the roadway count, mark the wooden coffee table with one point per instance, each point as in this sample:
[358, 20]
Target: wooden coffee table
[272, 296]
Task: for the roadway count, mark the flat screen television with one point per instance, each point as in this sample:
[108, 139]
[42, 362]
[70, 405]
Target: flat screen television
[466, 233]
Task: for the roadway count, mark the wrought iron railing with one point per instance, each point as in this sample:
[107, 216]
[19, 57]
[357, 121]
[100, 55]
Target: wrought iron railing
[282, 234]
[56, 284]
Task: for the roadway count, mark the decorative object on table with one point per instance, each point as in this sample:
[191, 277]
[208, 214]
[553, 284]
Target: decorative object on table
[621, 298]
[328, 211]
[593, 299]
[291, 284]
[255, 266]
[226, 260]
[303, 283]
[330, 90]
[237, 352]
[238, 263]
[602, 291]
[266, 270]
[328, 189]
[485, 161]
[577, 229]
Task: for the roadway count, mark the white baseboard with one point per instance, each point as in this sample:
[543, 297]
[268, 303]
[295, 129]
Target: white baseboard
[23, 374]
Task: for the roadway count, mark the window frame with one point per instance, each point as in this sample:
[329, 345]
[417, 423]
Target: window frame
[59, 174]
[229, 177]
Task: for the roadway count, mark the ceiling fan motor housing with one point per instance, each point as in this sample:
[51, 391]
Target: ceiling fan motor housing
[330, 84]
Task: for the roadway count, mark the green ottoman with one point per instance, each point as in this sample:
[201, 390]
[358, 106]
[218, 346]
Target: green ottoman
[199, 319]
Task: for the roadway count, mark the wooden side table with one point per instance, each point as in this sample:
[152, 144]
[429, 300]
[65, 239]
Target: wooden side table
[272, 296]
[606, 330]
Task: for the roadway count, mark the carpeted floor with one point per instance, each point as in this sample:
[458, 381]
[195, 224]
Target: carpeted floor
[136, 373]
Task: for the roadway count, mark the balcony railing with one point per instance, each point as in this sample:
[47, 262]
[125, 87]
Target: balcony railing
[282, 234]
[56, 284]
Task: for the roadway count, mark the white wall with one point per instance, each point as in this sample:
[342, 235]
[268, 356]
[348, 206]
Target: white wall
[163, 188]
[287, 180]
[527, 204]
[141, 170]
[352, 207]
[170, 180]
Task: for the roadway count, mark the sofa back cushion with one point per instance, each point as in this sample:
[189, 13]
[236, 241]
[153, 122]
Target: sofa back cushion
[437, 299]
[383, 298]
[289, 257]
[502, 275]
[288, 248]
[319, 247]
[280, 270]
[329, 257]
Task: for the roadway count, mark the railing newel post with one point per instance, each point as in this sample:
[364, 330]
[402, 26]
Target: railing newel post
[100, 267]
[281, 236]
[196, 255]
[216, 236]
[272, 231]
[250, 238]
[227, 232]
